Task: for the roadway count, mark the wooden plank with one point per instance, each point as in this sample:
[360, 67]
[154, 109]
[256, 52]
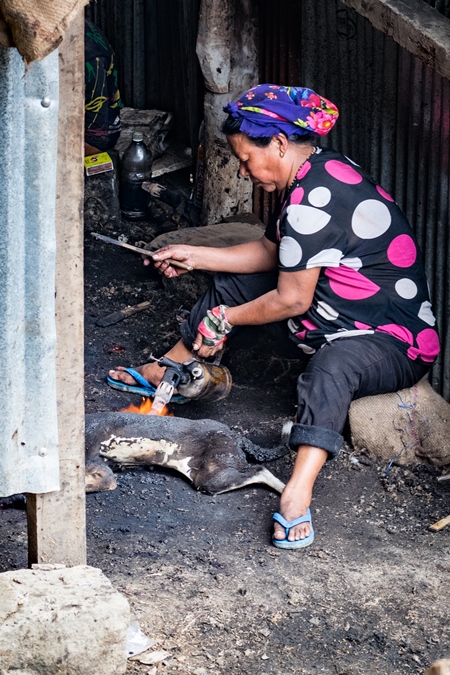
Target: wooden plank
[122, 314]
[415, 25]
[440, 524]
[57, 521]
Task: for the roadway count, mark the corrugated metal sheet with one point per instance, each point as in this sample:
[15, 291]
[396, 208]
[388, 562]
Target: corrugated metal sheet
[28, 144]
[395, 121]
[154, 41]
[442, 6]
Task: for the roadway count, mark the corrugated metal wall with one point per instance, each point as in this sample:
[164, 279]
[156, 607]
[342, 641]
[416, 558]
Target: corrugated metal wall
[442, 6]
[28, 148]
[395, 120]
[154, 41]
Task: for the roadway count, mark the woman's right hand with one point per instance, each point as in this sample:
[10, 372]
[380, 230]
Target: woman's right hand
[184, 254]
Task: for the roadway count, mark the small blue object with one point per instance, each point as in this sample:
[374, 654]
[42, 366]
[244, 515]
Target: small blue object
[300, 543]
[144, 388]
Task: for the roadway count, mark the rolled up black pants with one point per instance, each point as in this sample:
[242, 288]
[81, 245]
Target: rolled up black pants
[341, 371]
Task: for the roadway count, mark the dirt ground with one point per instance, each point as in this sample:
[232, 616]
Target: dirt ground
[371, 595]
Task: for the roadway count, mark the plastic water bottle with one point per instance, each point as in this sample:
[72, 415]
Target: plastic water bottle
[136, 168]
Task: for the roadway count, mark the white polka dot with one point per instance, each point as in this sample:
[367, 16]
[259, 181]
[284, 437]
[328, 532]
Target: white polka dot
[325, 310]
[320, 196]
[353, 263]
[426, 314]
[306, 219]
[406, 288]
[342, 333]
[307, 349]
[290, 252]
[371, 219]
[329, 257]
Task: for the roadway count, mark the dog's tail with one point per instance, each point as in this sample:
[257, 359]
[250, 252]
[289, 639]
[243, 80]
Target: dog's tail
[269, 454]
[286, 432]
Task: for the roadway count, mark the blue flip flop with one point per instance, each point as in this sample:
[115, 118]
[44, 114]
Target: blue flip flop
[144, 389]
[300, 543]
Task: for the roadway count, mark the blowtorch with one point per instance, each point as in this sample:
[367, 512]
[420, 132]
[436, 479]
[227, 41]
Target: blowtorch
[193, 379]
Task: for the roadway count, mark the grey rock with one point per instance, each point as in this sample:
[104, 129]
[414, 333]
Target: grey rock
[61, 621]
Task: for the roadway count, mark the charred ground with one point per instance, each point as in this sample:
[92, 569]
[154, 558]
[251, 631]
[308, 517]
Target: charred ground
[202, 578]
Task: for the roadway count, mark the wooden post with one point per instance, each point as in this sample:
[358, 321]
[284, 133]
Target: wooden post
[57, 521]
[225, 29]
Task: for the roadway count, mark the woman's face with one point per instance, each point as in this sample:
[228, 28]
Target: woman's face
[264, 166]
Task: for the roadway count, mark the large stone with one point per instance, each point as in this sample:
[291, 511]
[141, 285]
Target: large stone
[61, 621]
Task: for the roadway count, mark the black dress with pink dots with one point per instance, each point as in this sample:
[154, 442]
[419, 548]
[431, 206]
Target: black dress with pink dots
[372, 278]
[370, 329]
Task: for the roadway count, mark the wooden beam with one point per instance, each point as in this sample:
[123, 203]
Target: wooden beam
[416, 27]
[57, 521]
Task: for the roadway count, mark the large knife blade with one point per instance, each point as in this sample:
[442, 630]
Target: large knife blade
[143, 251]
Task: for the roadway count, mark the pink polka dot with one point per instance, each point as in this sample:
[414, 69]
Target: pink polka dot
[350, 284]
[400, 332]
[309, 325]
[297, 195]
[384, 194]
[428, 342]
[402, 251]
[301, 335]
[362, 326]
[343, 172]
[301, 173]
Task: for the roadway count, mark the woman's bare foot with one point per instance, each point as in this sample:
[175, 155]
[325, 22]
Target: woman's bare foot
[297, 495]
[152, 372]
[292, 506]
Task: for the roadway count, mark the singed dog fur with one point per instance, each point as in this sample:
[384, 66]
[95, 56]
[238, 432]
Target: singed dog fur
[208, 453]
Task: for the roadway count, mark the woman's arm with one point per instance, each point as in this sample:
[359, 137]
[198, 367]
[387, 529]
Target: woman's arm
[293, 296]
[248, 258]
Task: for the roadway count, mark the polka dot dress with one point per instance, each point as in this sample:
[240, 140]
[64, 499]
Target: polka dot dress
[372, 277]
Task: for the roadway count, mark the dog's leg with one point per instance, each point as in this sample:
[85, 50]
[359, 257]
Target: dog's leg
[232, 479]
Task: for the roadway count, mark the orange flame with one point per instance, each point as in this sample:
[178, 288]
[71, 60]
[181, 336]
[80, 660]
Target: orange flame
[146, 407]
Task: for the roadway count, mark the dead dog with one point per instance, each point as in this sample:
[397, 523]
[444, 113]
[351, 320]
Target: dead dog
[208, 453]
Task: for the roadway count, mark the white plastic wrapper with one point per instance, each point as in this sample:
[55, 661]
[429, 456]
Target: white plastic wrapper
[137, 642]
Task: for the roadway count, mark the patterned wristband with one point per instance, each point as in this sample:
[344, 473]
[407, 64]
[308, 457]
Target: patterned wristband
[214, 326]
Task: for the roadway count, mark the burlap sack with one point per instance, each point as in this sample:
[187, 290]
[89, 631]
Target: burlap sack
[441, 667]
[6, 39]
[412, 425]
[38, 26]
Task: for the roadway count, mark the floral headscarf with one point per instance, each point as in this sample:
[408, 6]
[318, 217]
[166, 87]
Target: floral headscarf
[267, 109]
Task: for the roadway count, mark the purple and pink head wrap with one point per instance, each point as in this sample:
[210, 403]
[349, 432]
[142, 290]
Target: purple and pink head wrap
[267, 109]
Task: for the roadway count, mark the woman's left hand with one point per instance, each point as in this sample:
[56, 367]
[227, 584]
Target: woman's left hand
[202, 350]
[212, 331]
